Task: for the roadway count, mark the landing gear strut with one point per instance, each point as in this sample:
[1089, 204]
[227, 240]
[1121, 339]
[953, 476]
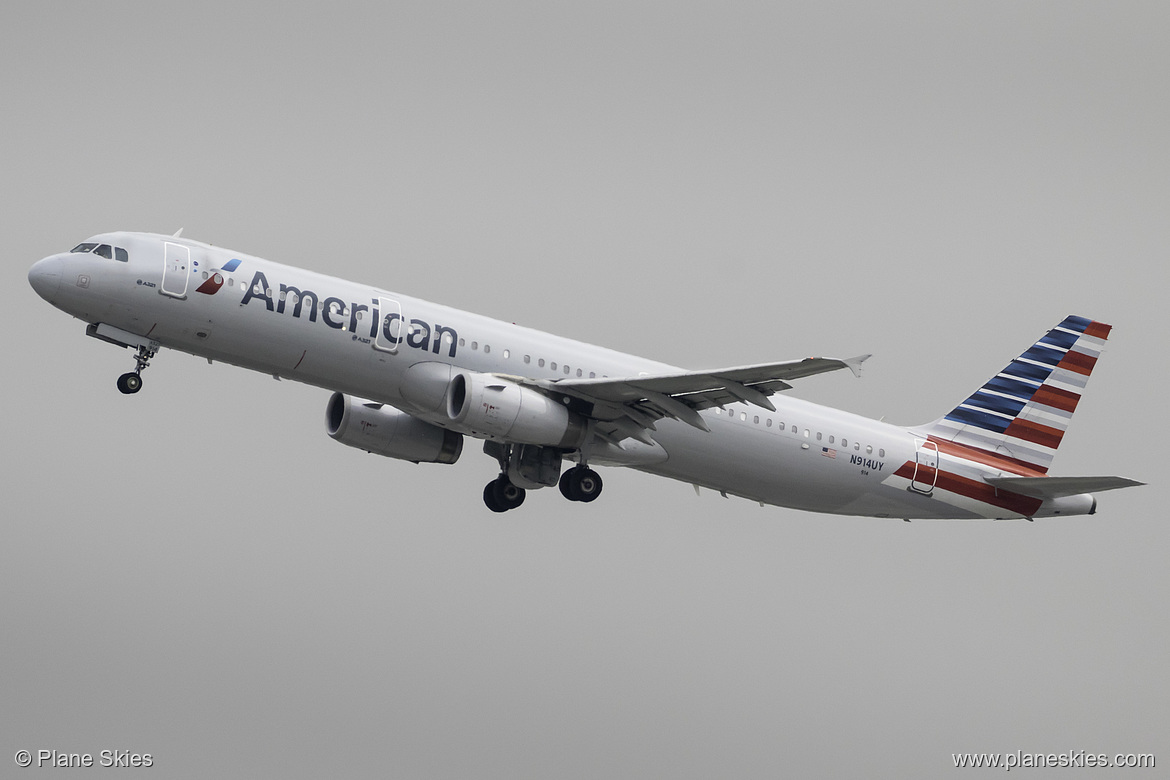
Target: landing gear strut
[131, 382]
[580, 483]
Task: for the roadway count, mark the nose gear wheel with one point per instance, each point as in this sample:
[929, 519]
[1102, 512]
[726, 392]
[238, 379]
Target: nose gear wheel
[131, 382]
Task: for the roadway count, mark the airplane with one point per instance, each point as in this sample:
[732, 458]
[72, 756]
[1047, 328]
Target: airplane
[412, 380]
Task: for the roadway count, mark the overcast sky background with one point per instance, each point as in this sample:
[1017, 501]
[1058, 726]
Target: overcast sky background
[197, 572]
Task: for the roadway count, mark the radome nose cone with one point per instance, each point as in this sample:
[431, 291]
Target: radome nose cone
[45, 277]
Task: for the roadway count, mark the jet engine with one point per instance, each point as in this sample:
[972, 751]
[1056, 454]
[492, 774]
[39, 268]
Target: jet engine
[486, 405]
[384, 430]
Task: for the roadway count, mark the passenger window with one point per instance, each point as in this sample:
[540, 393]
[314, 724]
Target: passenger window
[869, 449]
[104, 251]
[806, 433]
[794, 429]
[743, 416]
[856, 445]
[578, 372]
[540, 362]
[566, 369]
[831, 439]
[528, 358]
[756, 420]
[592, 375]
[83, 248]
[818, 435]
[507, 353]
[475, 345]
[881, 453]
[553, 366]
[120, 255]
[844, 442]
[769, 423]
[487, 348]
[462, 342]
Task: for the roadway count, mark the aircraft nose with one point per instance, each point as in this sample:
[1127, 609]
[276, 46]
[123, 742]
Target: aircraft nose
[45, 276]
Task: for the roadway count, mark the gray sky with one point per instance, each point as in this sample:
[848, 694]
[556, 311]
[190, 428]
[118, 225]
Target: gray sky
[199, 573]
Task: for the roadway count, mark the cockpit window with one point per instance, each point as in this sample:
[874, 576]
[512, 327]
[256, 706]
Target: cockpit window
[104, 250]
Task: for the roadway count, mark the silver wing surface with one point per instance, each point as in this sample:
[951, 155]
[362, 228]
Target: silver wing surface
[628, 407]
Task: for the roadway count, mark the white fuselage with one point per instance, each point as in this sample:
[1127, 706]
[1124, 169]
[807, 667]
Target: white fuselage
[803, 455]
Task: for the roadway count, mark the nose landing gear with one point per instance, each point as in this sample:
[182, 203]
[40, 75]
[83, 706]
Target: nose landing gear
[131, 382]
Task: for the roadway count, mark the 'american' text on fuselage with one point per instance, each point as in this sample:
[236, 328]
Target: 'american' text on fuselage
[419, 334]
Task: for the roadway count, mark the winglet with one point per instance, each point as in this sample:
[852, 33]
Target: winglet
[854, 364]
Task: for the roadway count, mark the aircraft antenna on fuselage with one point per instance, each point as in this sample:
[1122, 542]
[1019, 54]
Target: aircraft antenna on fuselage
[178, 233]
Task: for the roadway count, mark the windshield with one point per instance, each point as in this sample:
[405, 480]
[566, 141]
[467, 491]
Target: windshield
[103, 250]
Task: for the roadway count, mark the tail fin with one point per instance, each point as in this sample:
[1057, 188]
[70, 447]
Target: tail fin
[1024, 410]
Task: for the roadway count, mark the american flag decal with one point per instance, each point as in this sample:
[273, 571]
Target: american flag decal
[828, 453]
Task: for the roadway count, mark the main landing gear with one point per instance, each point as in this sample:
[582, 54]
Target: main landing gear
[580, 483]
[526, 467]
[131, 382]
[500, 494]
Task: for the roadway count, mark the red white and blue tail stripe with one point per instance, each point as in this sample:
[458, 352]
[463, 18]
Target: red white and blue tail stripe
[1021, 414]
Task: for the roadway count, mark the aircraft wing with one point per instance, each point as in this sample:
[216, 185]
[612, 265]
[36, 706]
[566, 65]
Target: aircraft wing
[626, 407]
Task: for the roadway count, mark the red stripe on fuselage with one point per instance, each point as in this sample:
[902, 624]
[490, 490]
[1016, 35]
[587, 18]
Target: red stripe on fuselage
[987, 458]
[975, 490]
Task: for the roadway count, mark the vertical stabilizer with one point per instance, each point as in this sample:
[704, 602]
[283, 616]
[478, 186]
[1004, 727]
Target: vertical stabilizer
[1024, 410]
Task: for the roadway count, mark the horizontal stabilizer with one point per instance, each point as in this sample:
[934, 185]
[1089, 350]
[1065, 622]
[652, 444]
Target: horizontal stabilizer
[1058, 487]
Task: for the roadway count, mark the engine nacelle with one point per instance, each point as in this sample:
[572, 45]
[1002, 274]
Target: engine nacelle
[384, 430]
[486, 405]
